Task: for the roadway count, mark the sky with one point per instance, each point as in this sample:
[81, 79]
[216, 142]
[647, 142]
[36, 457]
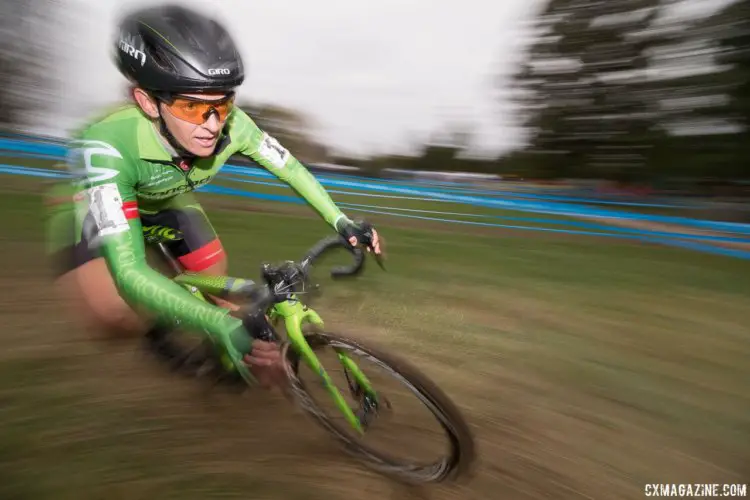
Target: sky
[374, 77]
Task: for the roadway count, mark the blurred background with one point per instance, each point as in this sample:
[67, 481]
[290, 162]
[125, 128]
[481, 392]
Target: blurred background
[564, 188]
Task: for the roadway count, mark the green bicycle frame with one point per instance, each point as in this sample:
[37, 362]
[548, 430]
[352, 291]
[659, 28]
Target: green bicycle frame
[295, 315]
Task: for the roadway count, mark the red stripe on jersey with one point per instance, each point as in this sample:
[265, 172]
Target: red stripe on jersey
[203, 258]
[131, 209]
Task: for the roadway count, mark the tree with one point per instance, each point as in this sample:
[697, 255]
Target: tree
[631, 91]
[27, 77]
[580, 89]
[734, 44]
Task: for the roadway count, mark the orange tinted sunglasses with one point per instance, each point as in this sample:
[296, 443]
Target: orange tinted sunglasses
[196, 110]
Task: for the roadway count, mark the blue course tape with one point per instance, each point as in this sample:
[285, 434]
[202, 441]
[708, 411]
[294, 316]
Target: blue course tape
[210, 188]
[40, 156]
[573, 223]
[57, 152]
[516, 191]
[33, 147]
[573, 210]
[337, 191]
[563, 222]
[525, 206]
[35, 172]
[507, 193]
[435, 192]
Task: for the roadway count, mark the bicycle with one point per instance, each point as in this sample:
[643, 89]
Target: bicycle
[277, 301]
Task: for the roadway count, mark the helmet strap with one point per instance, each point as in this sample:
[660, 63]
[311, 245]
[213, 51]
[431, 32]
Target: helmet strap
[164, 130]
[181, 151]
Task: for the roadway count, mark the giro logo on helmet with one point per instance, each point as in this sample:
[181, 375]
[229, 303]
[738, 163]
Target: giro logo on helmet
[126, 45]
[219, 71]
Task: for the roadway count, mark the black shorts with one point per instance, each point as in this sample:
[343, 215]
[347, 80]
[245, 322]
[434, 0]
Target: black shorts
[198, 249]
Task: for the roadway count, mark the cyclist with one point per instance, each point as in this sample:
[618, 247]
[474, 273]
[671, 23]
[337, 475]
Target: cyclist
[138, 167]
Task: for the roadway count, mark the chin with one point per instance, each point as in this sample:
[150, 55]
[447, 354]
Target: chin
[203, 151]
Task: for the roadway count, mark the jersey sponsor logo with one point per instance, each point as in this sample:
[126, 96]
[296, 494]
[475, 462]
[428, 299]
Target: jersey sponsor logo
[127, 45]
[219, 71]
[82, 153]
[157, 232]
[272, 152]
[172, 192]
[106, 207]
[161, 178]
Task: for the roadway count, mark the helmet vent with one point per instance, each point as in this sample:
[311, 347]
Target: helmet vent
[161, 59]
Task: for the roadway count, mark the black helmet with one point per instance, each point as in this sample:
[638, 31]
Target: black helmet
[171, 49]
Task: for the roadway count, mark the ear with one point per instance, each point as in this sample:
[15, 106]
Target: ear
[147, 103]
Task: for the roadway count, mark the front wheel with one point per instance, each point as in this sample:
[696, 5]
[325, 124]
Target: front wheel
[453, 462]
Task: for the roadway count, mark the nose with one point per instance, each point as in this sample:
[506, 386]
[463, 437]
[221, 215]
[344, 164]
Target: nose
[212, 123]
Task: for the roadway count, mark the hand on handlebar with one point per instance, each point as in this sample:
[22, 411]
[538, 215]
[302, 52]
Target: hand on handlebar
[236, 345]
[361, 233]
[266, 364]
[254, 360]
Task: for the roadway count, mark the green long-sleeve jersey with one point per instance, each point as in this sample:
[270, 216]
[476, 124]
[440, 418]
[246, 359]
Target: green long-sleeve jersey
[125, 167]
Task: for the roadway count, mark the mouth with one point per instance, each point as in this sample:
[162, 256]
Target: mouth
[205, 142]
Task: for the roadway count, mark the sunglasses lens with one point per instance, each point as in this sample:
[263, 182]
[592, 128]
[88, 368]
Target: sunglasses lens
[197, 112]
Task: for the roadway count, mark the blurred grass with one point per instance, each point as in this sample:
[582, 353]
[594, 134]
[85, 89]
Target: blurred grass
[588, 368]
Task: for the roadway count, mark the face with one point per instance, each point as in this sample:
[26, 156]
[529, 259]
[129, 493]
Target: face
[195, 120]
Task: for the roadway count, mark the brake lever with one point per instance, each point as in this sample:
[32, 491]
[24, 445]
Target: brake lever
[380, 260]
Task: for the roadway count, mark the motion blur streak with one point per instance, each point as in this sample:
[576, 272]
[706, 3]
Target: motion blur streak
[562, 188]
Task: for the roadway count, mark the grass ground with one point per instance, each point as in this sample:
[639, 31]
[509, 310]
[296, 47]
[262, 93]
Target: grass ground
[587, 368]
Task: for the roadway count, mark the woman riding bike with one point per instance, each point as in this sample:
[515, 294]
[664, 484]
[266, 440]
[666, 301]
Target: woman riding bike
[138, 167]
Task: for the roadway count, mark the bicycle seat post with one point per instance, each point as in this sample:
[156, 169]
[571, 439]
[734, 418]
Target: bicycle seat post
[173, 263]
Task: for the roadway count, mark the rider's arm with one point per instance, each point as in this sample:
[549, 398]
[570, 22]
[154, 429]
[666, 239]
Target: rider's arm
[271, 155]
[108, 195]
